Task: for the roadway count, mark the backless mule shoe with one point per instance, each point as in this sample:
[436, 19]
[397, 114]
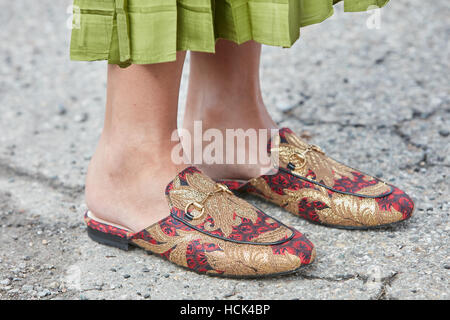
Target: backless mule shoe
[209, 230]
[313, 186]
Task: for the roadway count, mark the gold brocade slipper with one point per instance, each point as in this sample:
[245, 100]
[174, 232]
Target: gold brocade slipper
[211, 231]
[313, 186]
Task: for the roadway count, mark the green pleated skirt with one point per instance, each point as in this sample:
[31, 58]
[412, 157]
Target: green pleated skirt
[128, 32]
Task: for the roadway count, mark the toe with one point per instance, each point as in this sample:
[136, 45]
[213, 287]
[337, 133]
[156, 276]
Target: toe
[298, 246]
[398, 201]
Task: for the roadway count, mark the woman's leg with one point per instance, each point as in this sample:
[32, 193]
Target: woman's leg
[132, 163]
[224, 92]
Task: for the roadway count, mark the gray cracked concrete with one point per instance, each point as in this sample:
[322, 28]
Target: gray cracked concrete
[375, 99]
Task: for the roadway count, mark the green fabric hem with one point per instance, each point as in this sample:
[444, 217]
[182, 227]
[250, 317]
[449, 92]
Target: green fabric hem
[106, 32]
[90, 56]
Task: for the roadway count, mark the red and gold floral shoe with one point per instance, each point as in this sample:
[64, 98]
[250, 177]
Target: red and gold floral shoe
[210, 230]
[313, 186]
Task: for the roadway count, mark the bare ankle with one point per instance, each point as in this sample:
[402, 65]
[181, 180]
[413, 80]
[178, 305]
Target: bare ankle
[254, 132]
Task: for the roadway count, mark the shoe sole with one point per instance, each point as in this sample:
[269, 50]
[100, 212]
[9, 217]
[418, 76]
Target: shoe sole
[381, 226]
[124, 244]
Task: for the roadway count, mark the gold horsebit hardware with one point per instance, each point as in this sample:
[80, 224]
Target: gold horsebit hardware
[200, 206]
[300, 157]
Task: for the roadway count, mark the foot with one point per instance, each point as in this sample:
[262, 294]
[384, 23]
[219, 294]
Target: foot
[219, 233]
[125, 184]
[313, 186]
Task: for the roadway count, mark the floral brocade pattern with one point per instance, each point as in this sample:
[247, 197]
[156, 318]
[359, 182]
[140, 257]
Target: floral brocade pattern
[324, 191]
[225, 215]
[309, 161]
[253, 245]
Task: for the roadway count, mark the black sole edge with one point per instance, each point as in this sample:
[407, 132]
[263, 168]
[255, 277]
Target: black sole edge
[124, 244]
[362, 228]
[108, 239]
